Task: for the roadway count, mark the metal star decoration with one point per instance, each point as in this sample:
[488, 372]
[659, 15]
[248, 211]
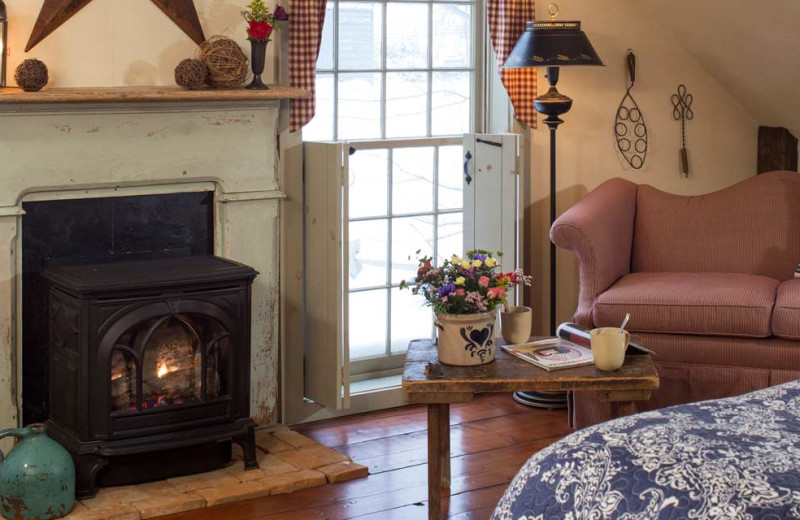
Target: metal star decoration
[55, 12]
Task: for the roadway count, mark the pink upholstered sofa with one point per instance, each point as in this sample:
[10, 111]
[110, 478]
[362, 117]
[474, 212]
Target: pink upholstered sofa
[708, 281]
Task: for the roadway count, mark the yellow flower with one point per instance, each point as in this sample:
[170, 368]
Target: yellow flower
[491, 262]
[461, 280]
[477, 263]
[465, 264]
[455, 260]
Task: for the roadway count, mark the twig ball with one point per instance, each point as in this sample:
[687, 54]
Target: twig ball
[31, 75]
[226, 62]
[191, 74]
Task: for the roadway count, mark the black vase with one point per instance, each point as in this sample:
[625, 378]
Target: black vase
[258, 57]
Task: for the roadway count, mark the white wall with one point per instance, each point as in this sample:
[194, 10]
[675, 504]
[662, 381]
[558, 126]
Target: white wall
[119, 42]
[722, 139]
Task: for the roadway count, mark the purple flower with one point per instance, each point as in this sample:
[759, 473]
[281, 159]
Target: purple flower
[280, 14]
[478, 256]
[447, 290]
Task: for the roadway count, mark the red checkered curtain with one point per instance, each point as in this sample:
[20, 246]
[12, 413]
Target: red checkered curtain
[506, 24]
[305, 35]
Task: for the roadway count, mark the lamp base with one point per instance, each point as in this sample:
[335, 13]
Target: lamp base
[547, 400]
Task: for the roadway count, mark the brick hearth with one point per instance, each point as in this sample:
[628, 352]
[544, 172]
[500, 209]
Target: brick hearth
[288, 461]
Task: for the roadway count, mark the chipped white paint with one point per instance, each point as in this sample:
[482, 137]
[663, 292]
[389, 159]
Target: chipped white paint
[70, 152]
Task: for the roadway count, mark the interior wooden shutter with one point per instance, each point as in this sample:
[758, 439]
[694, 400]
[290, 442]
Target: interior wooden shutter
[327, 357]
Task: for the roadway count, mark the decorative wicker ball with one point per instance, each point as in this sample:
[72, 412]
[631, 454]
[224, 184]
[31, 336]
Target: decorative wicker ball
[31, 75]
[226, 62]
[191, 74]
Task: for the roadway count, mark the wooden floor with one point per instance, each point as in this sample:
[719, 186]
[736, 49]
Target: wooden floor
[491, 438]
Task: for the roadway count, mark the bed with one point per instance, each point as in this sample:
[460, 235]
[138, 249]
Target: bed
[731, 459]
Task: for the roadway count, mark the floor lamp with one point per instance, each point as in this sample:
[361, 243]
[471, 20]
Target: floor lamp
[552, 44]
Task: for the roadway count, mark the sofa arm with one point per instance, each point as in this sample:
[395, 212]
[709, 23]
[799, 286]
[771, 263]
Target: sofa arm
[599, 231]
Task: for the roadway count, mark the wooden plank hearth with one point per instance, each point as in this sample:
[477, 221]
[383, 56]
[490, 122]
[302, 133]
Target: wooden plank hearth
[147, 94]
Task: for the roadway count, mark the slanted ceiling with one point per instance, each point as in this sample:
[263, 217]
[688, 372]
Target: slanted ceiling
[751, 47]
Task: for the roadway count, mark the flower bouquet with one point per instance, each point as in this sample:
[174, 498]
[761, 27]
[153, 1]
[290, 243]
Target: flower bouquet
[260, 24]
[465, 293]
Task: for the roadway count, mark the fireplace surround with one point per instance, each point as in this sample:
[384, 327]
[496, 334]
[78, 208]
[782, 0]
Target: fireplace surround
[150, 362]
[72, 144]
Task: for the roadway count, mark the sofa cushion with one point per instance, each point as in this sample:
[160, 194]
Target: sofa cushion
[786, 316]
[714, 304]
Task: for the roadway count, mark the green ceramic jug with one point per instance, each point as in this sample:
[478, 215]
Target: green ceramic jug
[37, 478]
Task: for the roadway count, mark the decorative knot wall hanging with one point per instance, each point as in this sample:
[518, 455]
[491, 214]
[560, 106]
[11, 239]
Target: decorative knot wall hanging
[682, 111]
[55, 13]
[629, 127]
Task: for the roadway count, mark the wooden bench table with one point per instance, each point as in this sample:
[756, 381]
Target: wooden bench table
[426, 381]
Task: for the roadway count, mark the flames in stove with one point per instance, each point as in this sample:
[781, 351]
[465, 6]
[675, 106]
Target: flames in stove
[164, 370]
[171, 366]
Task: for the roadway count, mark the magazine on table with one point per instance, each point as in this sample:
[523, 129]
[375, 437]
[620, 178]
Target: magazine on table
[571, 348]
[579, 336]
[552, 354]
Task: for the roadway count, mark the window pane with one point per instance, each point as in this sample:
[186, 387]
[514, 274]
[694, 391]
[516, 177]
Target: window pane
[359, 106]
[451, 102]
[325, 59]
[411, 319]
[451, 177]
[452, 35]
[406, 104]
[321, 127]
[368, 253]
[406, 36]
[412, 180]
[451, 235]
[409, 235]
[369, 183]
[368, 316]
[360, 35]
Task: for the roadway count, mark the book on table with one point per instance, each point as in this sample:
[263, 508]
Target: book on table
[552, 354]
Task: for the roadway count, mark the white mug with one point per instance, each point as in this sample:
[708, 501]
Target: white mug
[608, 348]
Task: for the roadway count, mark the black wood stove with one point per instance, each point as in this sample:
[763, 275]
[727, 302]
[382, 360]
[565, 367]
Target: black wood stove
[150, 367]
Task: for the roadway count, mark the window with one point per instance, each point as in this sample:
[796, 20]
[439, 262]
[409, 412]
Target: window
[402, 200]
[397, 81]
[399, 69]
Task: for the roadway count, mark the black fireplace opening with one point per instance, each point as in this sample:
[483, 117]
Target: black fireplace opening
[63, 233]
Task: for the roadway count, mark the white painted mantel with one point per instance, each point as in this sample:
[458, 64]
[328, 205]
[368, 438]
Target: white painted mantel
[117, 147]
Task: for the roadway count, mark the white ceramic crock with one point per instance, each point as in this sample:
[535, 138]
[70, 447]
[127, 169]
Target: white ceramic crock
[466, 339]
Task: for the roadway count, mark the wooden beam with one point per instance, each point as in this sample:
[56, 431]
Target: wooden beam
[777, 150]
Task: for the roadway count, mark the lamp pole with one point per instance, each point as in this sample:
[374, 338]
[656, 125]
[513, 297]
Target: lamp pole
[553, 104]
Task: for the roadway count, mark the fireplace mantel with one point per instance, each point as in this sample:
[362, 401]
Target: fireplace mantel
[146, 95]
[108, 142]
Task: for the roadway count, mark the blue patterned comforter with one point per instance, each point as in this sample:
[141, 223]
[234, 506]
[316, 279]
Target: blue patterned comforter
[731, 459]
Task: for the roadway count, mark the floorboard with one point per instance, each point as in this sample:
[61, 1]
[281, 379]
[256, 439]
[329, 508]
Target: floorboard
[490, 439]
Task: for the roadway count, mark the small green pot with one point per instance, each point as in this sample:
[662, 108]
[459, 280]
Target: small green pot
[37, 478]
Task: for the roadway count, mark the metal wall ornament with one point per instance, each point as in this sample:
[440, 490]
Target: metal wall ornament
[682, 111]
[629, 127]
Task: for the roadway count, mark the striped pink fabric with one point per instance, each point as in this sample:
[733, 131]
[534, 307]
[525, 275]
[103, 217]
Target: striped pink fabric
[305, 37]
[751, 227]
[506, 20]
[599, 231]
[786, 316]
[716, 304]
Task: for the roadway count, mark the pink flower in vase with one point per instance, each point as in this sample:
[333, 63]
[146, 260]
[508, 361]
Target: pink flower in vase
[483, 281]
[496, 293]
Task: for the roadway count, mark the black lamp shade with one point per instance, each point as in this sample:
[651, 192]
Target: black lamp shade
[552, 44]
